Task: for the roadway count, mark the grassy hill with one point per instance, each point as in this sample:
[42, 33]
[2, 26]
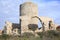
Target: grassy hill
[48, 35]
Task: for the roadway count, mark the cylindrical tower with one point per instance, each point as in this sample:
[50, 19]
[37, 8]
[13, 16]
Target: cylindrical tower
[27, 11]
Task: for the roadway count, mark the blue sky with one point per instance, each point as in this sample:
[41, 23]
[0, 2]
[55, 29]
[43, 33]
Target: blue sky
[9, 10]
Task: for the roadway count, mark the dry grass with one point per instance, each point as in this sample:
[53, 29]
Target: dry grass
[48, 35]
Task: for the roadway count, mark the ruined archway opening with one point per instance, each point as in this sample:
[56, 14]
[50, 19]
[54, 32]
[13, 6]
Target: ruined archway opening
[50, 25]
[39, 22]
[39, 25]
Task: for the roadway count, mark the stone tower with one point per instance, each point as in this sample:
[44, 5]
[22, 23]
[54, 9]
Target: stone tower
[27, 11]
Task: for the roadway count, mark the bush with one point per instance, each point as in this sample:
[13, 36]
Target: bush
[40, 34]
[4, 36]
[49, 35]
[27, 34]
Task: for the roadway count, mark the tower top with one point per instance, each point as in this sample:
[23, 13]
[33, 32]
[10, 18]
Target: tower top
[28, 0]
[29, 3]
[28, 9]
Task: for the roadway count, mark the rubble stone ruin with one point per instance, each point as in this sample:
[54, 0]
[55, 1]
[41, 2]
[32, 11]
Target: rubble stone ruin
[29, 19]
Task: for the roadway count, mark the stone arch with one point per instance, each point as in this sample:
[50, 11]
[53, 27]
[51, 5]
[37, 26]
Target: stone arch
[42, 23]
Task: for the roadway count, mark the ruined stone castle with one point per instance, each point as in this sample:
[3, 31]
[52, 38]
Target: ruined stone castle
[29, 18]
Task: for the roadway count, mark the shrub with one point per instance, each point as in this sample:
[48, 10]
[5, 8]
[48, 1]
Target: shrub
[27, 34]
[4, 36]
[49, 35]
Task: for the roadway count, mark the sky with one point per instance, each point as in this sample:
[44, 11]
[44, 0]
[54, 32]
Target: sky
[9, 10]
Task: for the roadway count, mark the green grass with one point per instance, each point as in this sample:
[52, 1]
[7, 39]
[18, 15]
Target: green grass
[48, 35]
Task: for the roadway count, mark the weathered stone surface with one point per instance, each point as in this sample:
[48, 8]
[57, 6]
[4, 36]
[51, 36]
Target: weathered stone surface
[28, 10]
[8, 28]
[29, 19]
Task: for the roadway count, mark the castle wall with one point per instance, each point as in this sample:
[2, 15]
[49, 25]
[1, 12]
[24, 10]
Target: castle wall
[8, 28]
[46, 21]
